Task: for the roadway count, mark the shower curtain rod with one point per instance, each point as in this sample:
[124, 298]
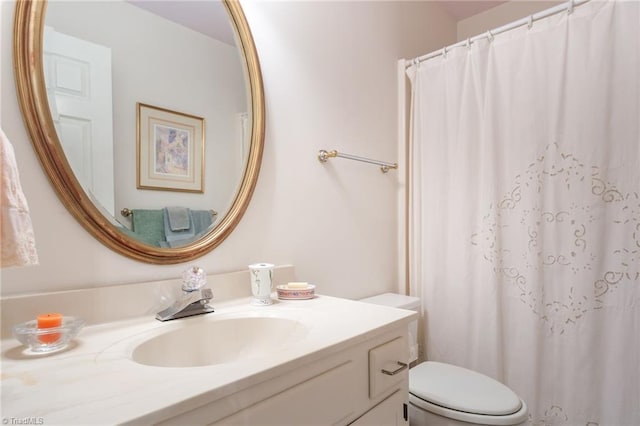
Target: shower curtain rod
[568, 6]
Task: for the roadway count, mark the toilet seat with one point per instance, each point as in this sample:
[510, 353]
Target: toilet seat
[466, 395]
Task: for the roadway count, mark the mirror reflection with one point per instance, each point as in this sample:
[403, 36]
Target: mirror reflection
[151, 106]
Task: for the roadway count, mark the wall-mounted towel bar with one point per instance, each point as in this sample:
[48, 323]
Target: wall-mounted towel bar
[128, 212]
[323, 156]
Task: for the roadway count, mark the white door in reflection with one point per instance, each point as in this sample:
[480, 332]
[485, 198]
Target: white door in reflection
[78, 80]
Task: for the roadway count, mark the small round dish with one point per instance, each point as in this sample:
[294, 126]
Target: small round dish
[297, 293]
[43, 340]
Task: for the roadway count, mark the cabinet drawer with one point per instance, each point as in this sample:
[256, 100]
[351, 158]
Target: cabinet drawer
[387, 366]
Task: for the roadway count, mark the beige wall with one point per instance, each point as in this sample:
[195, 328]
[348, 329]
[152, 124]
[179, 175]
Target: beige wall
[330, 81]
[500, 15]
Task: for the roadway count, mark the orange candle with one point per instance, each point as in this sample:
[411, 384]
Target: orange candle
[50, 320]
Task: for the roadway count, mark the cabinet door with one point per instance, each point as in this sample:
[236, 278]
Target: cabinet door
[318, 401]
[390, 412]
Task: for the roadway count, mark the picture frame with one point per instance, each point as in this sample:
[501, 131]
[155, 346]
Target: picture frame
[170, 150]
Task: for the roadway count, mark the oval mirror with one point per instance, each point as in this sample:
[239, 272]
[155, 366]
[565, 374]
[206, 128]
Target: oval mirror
[148, 122]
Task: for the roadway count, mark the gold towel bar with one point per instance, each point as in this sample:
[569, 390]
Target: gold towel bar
[323, 156]
[128, 212]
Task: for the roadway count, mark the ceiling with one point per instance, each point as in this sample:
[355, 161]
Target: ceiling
[207, 17]
[466, 8]
[210, 17]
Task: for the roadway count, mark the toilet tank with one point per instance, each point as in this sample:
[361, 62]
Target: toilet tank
[403, 302]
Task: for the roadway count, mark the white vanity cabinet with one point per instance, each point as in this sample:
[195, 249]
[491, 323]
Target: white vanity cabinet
[311, 362]
[390, 412]
[345, 387]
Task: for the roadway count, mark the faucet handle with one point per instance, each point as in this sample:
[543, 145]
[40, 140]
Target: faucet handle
[206, 295]
[193, 279]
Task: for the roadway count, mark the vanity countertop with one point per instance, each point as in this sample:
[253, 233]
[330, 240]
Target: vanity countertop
[95, 381]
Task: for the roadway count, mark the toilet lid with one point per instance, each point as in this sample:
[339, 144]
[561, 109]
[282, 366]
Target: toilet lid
[460, 389]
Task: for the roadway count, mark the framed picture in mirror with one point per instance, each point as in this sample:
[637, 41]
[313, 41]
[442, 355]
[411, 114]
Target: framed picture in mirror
[170, 150]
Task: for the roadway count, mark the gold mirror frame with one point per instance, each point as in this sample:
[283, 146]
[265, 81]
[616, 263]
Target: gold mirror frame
[32, 96]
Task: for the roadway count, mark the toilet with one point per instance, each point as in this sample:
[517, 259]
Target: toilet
[447, 395]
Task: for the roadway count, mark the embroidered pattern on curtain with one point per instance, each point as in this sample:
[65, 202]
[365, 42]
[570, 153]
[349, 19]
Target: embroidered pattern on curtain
[527, 226]
[524, 212]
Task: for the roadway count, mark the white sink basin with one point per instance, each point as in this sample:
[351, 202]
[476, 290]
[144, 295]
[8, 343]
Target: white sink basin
[219, 341]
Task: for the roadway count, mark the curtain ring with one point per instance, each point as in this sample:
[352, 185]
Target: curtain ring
[490, 36]
[570, 7]
[444, 52]
[468, 43]
[530, 24]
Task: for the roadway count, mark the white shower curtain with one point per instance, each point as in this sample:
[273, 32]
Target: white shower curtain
[525, 211]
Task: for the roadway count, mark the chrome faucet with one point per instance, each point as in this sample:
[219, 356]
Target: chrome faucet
[194, 299]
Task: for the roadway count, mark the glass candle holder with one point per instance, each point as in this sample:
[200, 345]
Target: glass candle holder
[47, 339]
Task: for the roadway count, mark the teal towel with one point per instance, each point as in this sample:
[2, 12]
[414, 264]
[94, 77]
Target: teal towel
[148, 226]
[202, 220]
[152, 227]
[179, 219]
[173, 237]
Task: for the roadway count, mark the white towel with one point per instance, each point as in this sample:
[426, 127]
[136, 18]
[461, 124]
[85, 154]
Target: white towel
[16, 230]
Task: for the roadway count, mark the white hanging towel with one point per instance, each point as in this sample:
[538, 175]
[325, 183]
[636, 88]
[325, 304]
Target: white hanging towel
[18, 241]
